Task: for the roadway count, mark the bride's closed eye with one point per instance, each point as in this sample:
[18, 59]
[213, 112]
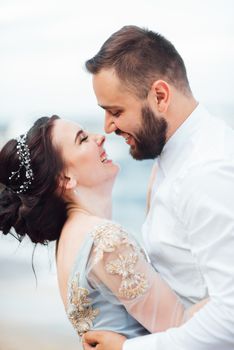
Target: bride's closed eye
[83, 137]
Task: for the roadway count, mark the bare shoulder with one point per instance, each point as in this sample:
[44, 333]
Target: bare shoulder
[72, 237]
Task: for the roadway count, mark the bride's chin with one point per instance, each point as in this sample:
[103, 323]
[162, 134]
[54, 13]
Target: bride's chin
[117, 169]
[115, 172]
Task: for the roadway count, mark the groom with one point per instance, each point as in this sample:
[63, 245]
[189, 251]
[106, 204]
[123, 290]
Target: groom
[140, 81]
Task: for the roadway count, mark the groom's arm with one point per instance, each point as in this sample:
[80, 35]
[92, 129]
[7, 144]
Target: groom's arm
[205, 205]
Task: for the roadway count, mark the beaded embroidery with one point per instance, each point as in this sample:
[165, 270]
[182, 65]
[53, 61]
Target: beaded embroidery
[107, 238]
[81, 314]
[24, 162]
[133, 284]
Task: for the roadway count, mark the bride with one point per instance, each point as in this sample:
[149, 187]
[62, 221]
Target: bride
[58, 184]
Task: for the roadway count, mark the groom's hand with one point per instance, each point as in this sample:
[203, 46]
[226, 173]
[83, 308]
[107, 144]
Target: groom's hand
[101, 340]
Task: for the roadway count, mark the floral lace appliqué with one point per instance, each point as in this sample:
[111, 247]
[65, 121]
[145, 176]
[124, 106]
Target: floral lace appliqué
[81, 313]
[107, 238]
[133, 284]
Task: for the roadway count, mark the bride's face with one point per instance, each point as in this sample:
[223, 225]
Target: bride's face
[84, 155]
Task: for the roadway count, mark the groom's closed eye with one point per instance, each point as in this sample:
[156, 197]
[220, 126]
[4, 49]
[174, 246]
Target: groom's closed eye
[115, 113]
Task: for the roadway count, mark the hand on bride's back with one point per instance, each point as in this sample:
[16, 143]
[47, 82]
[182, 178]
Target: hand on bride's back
[101, 340]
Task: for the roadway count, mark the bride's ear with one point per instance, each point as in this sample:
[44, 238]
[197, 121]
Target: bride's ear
[67, 182]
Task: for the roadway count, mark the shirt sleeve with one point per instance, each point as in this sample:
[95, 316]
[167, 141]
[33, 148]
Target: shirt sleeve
[205, 206]
[118, 267]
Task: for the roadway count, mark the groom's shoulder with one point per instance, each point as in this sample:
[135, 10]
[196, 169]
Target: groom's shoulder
[213, 144]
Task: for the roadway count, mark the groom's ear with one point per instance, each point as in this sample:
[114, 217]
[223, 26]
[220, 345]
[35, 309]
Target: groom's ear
[67, 182]
[160, 95]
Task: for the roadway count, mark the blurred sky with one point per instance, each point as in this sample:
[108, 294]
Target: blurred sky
[44, 44]
[43, 47]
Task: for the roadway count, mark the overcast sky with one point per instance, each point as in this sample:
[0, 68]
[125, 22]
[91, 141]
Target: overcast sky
[44, 44]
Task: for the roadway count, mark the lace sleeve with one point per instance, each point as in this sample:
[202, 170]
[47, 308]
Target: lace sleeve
[118, 266]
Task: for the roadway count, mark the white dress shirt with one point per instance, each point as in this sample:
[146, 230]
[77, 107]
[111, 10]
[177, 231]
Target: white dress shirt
[189, 233]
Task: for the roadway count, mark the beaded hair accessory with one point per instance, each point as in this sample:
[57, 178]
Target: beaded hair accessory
[25, 162]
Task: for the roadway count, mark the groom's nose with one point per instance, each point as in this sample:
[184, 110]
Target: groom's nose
[109, 124]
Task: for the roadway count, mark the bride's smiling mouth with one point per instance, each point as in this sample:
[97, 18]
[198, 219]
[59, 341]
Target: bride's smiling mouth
[104, 157]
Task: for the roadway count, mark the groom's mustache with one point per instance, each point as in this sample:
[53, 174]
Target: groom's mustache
[118, 132]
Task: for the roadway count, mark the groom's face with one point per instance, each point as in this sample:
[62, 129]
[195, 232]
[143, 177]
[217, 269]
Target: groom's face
[130, 117]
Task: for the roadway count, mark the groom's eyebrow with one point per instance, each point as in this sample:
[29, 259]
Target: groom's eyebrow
[79, 132]
[110, 107]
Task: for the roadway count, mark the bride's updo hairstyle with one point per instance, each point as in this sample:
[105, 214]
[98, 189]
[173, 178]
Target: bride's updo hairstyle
[38, 210]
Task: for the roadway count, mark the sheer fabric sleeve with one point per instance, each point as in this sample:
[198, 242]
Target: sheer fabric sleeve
[118, 267]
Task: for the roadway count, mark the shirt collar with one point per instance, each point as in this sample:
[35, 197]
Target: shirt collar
[178, 142]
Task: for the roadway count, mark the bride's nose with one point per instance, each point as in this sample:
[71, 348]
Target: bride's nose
[100, 139]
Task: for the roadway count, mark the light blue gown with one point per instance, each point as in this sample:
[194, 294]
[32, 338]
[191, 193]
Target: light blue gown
[113, 287]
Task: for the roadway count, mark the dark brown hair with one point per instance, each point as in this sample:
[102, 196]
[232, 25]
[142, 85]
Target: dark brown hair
[40, 212]
[139, 57]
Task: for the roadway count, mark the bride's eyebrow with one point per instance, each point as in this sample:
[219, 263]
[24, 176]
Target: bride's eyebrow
[79, 132]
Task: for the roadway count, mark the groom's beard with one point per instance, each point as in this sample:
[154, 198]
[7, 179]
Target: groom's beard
[151, 138]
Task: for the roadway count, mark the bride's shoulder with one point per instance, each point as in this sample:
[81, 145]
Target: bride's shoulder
[108, 228]
[73, 236]
[109, 237]
[76, 229]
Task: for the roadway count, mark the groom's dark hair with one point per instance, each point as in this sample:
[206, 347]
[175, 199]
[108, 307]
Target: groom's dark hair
[139, 57]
